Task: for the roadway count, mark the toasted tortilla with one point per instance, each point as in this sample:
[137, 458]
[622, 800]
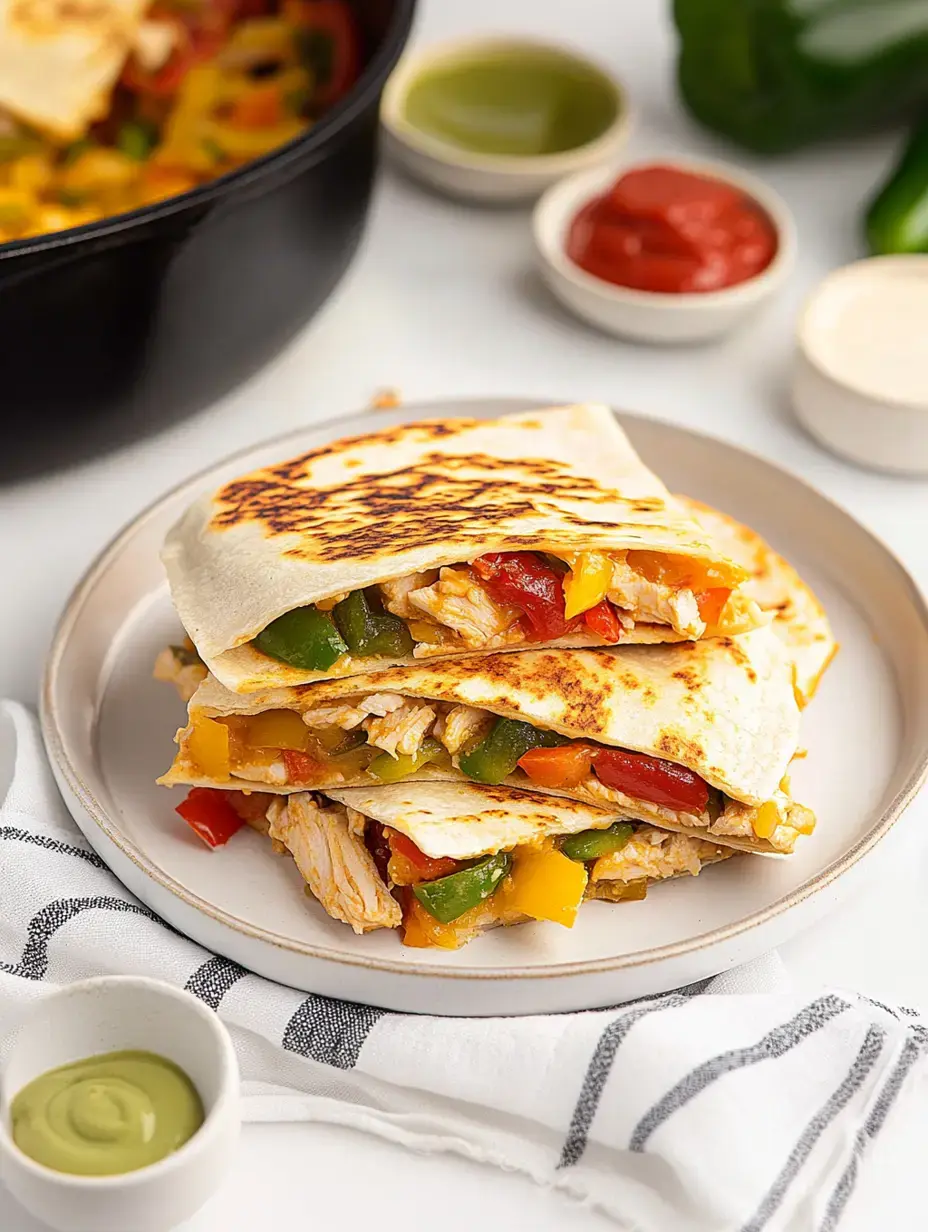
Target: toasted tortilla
[724, 708]
[59, 59]
[463, 820]
[325, 833]
[417, 497]
[740, 682]
[799, 619]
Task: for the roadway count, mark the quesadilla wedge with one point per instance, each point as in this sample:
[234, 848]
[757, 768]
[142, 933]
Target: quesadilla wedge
[799, 619]
[726, 712]
[443, 862]
[695, 737]
[441, 539]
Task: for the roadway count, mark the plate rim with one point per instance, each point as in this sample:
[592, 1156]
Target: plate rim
[97, 813]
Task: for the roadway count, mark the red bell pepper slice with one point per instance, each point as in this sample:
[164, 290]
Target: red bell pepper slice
[420, 867]
[301, 768]
[193, 45]
[200, 33]
[210, 815]
[635, 774]
[331, 44]
[523, 580]
[651, 778]
[566, 765]
[603, 621]
[262, 107]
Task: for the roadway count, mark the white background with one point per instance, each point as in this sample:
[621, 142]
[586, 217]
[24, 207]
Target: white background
[442, 301]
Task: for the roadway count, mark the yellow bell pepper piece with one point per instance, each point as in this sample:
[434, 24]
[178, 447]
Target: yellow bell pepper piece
[33, 173]
[425, 631]
[15, 207]
[260, 38]
[187, 125]
[243, 143]
[587, 583]
[208, 746]
[277, 729]
[545, 885]
[422, 931]
[99, 170]
[766, 820]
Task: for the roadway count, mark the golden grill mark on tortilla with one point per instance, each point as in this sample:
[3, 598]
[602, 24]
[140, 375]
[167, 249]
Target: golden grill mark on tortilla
[585, 690]
[426, 430]
[584, 694]
[438, 497]
[298, 532]
[679, 748]
[688, 676]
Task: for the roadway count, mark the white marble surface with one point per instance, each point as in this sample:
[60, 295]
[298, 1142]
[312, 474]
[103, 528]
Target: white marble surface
[442, 301]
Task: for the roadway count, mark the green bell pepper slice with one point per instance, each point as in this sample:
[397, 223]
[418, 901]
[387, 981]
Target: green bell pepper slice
[137, 138]
[369, 629]
[591, 844]
[449, 897]
[497, 755]
[304, 638]
[897, 220]
[353, 740]
[391, 769]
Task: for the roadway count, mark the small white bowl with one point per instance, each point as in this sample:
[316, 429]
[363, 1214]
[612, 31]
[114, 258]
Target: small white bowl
[106, 1015]
[649, 316]
[490, 178]
[866, 414]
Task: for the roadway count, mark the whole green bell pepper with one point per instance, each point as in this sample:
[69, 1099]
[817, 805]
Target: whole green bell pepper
[369, 629]
[776, 74]
[591, 844]
[449, 897]
[497, 755]
[897, 220]
[304, 638]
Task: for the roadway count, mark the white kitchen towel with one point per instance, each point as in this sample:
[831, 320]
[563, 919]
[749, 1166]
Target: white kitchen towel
[733, 1105]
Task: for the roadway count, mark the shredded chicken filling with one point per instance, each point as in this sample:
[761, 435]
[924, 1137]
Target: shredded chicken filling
[466, 607]
[329, 845]
[387, 723]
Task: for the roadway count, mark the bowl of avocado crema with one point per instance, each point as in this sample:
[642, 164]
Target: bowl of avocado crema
[118, 1106]
[498, 119]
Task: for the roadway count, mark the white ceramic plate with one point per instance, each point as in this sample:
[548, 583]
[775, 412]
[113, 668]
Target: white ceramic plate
[109, 730]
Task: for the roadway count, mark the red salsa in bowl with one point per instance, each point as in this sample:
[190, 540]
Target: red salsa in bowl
[671, 231]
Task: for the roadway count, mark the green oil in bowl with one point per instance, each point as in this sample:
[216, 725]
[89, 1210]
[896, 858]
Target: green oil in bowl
[516, 102]
[107, 1114]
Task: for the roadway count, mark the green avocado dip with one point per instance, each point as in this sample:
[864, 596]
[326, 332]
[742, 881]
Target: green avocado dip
[517, 101]
[107, 1114]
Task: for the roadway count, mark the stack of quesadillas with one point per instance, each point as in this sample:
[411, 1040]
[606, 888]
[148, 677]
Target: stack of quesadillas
[470, 673]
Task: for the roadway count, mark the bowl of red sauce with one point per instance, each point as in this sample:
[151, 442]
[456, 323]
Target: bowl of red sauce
[669, 251]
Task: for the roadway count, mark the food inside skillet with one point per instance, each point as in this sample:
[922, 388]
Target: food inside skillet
[198, 88]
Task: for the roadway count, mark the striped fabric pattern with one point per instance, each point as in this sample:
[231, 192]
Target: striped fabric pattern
[703, 1110]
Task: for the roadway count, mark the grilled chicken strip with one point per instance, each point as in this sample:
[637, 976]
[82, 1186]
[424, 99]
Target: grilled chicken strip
[458, 601]
[334, 862]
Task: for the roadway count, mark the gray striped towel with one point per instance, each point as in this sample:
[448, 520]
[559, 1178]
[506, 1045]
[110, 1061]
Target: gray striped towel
[733, 1105]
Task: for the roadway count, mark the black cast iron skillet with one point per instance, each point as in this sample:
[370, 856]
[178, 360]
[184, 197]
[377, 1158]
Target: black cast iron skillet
[123, 326]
